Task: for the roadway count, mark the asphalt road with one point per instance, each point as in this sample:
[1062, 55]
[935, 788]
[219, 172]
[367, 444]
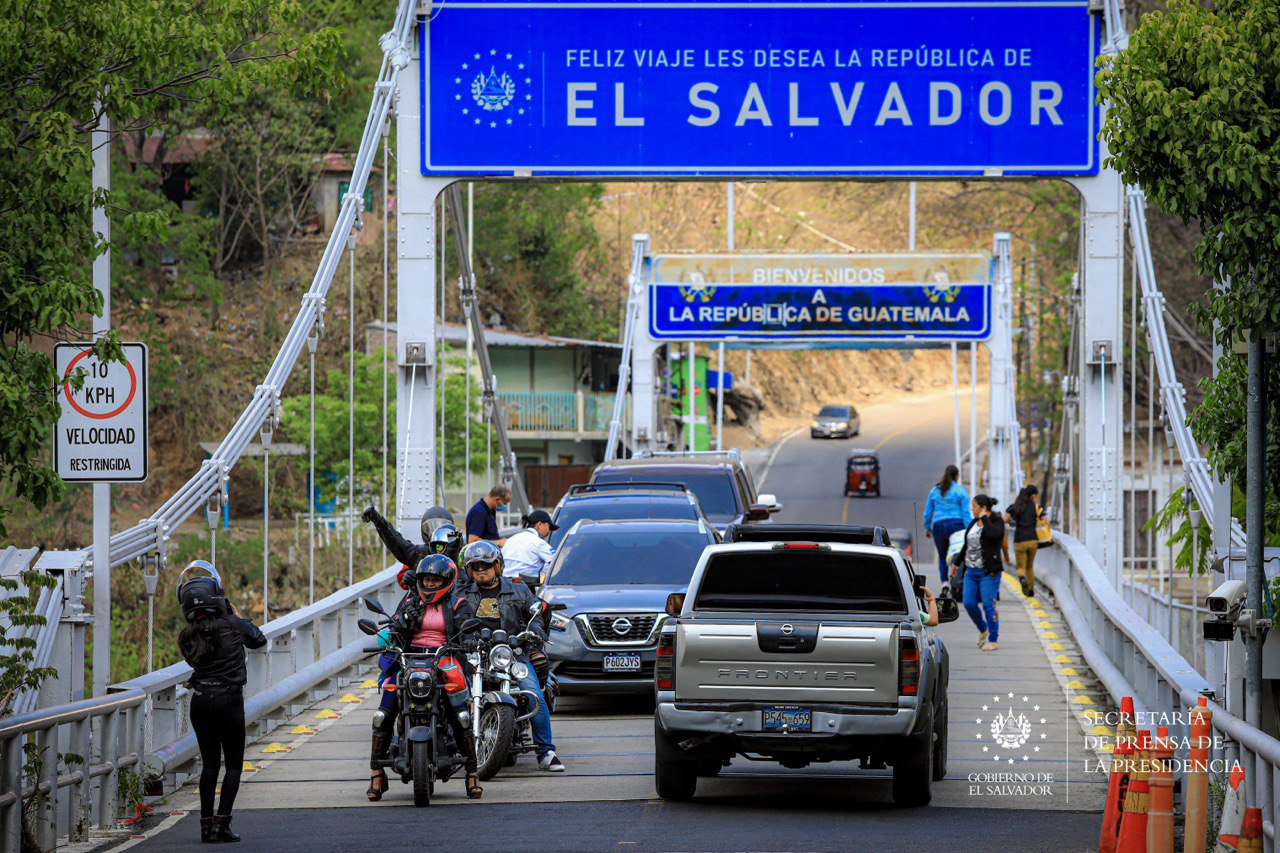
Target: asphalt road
[312, 796]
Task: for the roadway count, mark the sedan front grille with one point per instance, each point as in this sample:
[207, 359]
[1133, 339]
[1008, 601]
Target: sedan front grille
[621, 627]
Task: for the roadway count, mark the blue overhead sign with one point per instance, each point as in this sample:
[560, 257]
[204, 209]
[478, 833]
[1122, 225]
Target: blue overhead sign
[820, 298]
[742, 88]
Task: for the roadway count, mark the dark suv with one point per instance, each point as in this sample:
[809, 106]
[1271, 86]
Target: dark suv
[613, 578]
[722, 483]
[613, 501]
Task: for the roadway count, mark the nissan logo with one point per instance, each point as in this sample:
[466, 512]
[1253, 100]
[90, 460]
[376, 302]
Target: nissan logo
[621, 626]
[788, 629]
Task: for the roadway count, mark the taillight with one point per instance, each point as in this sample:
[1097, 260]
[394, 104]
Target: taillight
[908, 667]
[664, 667]
[801, 546]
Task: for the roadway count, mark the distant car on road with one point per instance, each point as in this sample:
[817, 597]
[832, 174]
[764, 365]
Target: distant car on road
[615, 501]
[835, 421]
[721, 482]
[614, 578]
[862, 473]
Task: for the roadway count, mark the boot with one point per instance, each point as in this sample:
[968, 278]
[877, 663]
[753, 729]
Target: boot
[206, 831]
[222, 833]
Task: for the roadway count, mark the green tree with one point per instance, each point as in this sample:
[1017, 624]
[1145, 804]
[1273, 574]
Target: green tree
[1194, 120]
[539, 257]
[333, 415]
[456, 416]
[63, 66]
[332, 420]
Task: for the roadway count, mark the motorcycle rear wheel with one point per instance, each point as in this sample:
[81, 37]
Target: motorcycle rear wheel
[420, 760]
[497, 727]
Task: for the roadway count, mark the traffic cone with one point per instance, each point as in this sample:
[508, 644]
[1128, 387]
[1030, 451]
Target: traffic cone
[1233, 811]
[1133, 823]
[1118, 783]
[1160, 811]
[1251, 831]
[1197, 797]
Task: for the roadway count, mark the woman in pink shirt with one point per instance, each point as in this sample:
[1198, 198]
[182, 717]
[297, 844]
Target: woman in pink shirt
[428, 615]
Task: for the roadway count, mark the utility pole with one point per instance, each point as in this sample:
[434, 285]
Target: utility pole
[102, 491]
[1255, 503]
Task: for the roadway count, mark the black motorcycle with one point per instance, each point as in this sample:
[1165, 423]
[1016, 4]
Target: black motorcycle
[500, 708]
[422, 750]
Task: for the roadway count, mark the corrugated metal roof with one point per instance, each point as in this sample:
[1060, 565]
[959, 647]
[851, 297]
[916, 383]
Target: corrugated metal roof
[456, 333]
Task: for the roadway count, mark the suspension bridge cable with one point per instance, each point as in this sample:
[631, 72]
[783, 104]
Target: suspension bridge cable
[311, 475]
[441, 369]
[386, 275]
[351, 409]
[467, 308]
[266, 523]
[146, 536]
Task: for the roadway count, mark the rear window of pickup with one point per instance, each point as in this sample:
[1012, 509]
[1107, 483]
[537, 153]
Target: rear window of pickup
[800, 581]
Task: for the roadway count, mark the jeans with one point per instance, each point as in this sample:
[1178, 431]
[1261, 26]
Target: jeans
[942, 531]
[980, 586]
[218, 720]
[541, 721]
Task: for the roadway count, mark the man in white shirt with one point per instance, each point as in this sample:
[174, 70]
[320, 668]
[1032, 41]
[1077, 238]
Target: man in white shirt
[528, 551]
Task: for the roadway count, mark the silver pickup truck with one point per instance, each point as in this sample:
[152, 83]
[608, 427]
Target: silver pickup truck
[807, 647]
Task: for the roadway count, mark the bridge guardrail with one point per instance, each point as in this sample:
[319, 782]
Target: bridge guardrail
[1132, 658]
[304, 650]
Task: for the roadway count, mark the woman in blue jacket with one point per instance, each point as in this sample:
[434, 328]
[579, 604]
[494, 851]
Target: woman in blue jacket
[946, 511]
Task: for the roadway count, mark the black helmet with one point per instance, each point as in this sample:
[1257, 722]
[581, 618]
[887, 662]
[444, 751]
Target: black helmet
[201, 595]
[446, 540]
[435, 565]
[483, 553]
[432, 519]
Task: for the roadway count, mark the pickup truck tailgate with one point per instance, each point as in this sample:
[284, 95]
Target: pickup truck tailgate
[791, 662]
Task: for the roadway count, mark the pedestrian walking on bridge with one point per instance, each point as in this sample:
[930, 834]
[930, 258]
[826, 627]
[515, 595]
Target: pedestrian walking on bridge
[213, 643]
[945, 512]
[980, 562]
[1023, 514]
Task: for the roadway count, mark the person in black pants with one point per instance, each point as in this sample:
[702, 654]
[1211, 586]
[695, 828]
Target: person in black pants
[213, 643]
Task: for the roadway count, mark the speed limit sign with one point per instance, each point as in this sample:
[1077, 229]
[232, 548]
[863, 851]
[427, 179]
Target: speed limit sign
[101, 436]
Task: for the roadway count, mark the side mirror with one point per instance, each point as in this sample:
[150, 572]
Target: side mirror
[675, 603]
[470, 625]
[948, 610]
[372, 604]
[367, 626]
[770, 502]
[757, 512]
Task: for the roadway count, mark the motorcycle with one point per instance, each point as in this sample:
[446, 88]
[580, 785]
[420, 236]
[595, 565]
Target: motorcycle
[422, 747]
[501, 710]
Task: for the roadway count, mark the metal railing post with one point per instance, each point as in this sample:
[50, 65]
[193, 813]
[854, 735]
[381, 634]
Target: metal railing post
[80, 801]
[46, 811]
[109, 783]
[11, 783]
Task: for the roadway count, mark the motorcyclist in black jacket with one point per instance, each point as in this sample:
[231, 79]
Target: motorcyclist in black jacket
[439, 536]
[213, 643]
[503, 603]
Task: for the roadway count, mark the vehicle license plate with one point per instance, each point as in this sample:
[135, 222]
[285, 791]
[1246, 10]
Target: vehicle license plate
[788, 717]
[622, 662]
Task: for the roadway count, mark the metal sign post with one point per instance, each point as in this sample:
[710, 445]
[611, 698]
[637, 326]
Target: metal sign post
[101, 438]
